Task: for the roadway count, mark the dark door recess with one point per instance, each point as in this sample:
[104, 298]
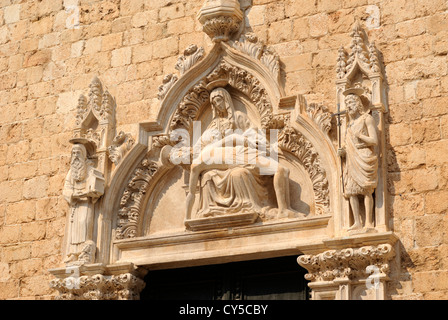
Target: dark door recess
[267, 279]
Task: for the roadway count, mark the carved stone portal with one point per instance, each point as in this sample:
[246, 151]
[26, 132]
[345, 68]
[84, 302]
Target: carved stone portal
[232, 168]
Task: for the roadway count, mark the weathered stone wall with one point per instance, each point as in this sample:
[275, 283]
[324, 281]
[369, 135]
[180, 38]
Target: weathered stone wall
[46, 62]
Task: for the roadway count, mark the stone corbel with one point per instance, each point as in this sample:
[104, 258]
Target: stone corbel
[98, 282]
[349, 274]
[221, 18]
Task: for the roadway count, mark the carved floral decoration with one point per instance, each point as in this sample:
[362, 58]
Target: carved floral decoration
[348, 263]
[131, 200]
[99, 287]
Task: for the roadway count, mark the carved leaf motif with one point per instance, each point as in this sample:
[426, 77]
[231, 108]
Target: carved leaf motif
[341, 67]
[189, 107]
[99, 287]
[320, 115]
[221, 27]
[107, 111]
[131, 200]
[250, 44]
[95, 95]
[191, 56]
[294, 142]
[346, 263]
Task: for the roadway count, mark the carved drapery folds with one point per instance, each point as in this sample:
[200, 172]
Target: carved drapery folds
[140, 221]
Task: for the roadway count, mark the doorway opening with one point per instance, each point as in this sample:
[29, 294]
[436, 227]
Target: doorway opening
[267, 279]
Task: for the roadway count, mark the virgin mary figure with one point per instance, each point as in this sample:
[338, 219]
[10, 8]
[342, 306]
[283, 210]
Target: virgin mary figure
[231, 170]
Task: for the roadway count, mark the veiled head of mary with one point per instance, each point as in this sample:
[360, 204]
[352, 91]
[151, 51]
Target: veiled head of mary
[222, 105]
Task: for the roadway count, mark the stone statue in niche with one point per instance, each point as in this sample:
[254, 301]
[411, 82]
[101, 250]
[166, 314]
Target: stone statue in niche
[361, 167]
[84, 185]
[232, 165]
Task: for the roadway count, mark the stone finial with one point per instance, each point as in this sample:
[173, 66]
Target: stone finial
[220, 18]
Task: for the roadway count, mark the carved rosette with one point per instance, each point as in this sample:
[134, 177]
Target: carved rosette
[131, 200]
[294, 142]
[350, 263]
[99, 287]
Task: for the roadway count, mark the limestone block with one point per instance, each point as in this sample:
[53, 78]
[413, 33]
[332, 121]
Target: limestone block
[12, 13]
[427, 230]
[256, 16]
[425, 130]
[142, 53]
[111, 41]
[128, 7]
[280, 31]
[166, 47]
[318, 24]
[35, 187]
[436, 152]
[180, 26]
[121, 57]
[300, 8]
[436, 202]
[399, 134]
[9, 234]
[172, 12]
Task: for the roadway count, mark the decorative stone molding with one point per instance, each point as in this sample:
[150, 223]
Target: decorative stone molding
[131, 200]
[220, 18]
[99, 287]
[187, 110]
[363, 59]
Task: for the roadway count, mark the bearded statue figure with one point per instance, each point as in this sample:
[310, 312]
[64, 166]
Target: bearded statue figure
[83, 187]
[361, 170]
